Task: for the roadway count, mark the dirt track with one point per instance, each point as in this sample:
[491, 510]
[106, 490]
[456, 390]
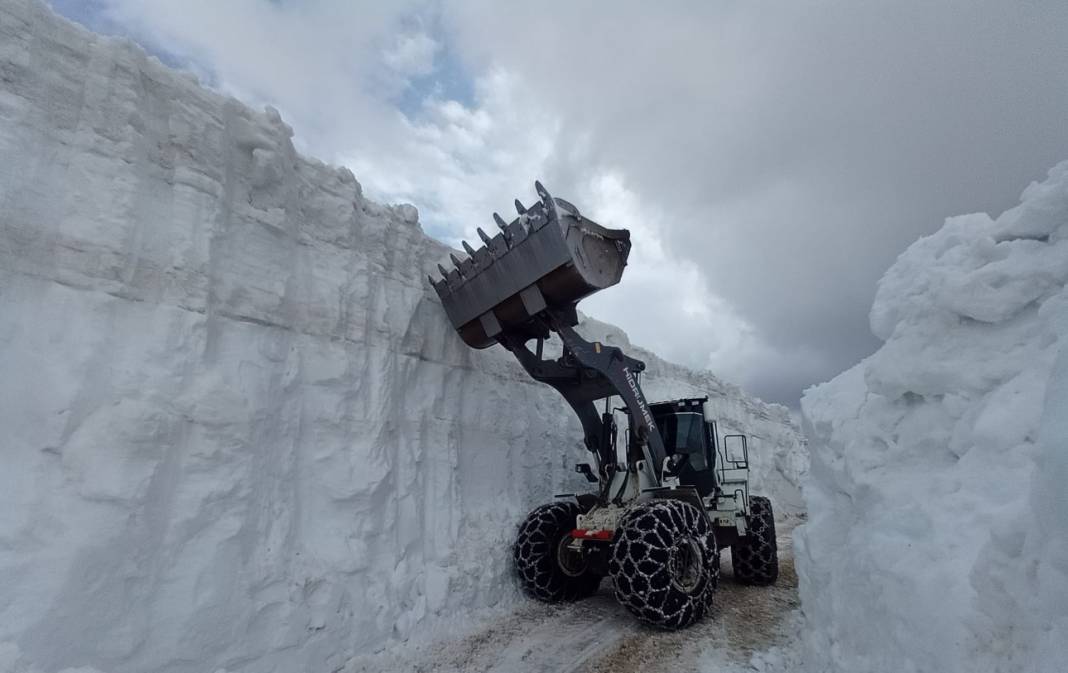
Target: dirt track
[599, 636]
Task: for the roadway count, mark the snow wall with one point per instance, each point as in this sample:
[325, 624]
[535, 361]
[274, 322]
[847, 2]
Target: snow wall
[238, 429]
[938, 531]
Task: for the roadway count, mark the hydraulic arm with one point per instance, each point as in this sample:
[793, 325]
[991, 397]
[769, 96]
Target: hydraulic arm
[523, 285]
[585, 373]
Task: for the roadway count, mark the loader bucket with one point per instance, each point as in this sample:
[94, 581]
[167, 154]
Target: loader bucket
[550, 256]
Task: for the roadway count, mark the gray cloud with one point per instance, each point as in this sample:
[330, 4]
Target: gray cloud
[772, 159]
[798, 148]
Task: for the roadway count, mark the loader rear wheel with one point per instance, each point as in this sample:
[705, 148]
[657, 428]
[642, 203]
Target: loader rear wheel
[548, 570]
[755, 557]
[665, 564]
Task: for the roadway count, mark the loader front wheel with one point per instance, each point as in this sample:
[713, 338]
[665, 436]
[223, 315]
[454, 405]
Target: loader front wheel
[665, 563]
[755, 556]
[548, 570]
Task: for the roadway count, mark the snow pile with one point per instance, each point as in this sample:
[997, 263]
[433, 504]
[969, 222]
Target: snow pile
[238, 430]
[938, 533]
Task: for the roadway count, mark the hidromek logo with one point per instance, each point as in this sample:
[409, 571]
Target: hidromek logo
[638, 396]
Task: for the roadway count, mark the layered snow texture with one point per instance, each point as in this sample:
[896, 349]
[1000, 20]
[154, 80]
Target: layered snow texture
[938, 533]
[238, 430]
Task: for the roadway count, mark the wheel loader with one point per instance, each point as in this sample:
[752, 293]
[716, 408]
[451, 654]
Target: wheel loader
[670, 496]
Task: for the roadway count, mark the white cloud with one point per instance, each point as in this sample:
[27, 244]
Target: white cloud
[412, 55]
[770, 164]
[324, 64]
[460, 163]
[794, 153]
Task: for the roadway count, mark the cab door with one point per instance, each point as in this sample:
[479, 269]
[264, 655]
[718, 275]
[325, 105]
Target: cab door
[686, 432]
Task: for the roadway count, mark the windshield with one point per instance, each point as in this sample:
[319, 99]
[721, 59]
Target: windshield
[684, 433]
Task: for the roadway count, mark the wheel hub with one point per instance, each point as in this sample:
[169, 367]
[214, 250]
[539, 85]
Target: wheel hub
[571, 562]
[686, 564]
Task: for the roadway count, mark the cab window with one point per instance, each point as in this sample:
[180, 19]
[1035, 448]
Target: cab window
[684, 433]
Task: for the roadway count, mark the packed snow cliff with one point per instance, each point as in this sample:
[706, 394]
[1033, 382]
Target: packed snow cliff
[238, 430]
[938, 533]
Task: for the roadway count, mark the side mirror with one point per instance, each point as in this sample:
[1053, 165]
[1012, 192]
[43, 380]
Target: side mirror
[736, 452]
[585, 470]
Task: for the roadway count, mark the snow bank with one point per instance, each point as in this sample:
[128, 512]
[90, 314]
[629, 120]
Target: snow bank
[938, 533]
[238, 431]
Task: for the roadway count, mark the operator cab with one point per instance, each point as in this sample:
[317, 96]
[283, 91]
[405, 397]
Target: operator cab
[684, 429]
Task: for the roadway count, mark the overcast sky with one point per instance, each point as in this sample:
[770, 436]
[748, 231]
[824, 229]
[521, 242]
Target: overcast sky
[771, 159]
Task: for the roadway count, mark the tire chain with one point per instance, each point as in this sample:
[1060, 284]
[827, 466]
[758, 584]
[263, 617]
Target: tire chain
[640, 563]
[535, 555]
[755, 558]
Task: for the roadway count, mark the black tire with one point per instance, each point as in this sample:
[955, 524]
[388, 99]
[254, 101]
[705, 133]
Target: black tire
[665, 564]
[547, 570]
[756, 556]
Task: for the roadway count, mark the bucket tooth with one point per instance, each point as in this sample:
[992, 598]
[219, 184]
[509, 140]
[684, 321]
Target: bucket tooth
[543, 194]
[486, 292]
[507, 232]
[548, 209]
